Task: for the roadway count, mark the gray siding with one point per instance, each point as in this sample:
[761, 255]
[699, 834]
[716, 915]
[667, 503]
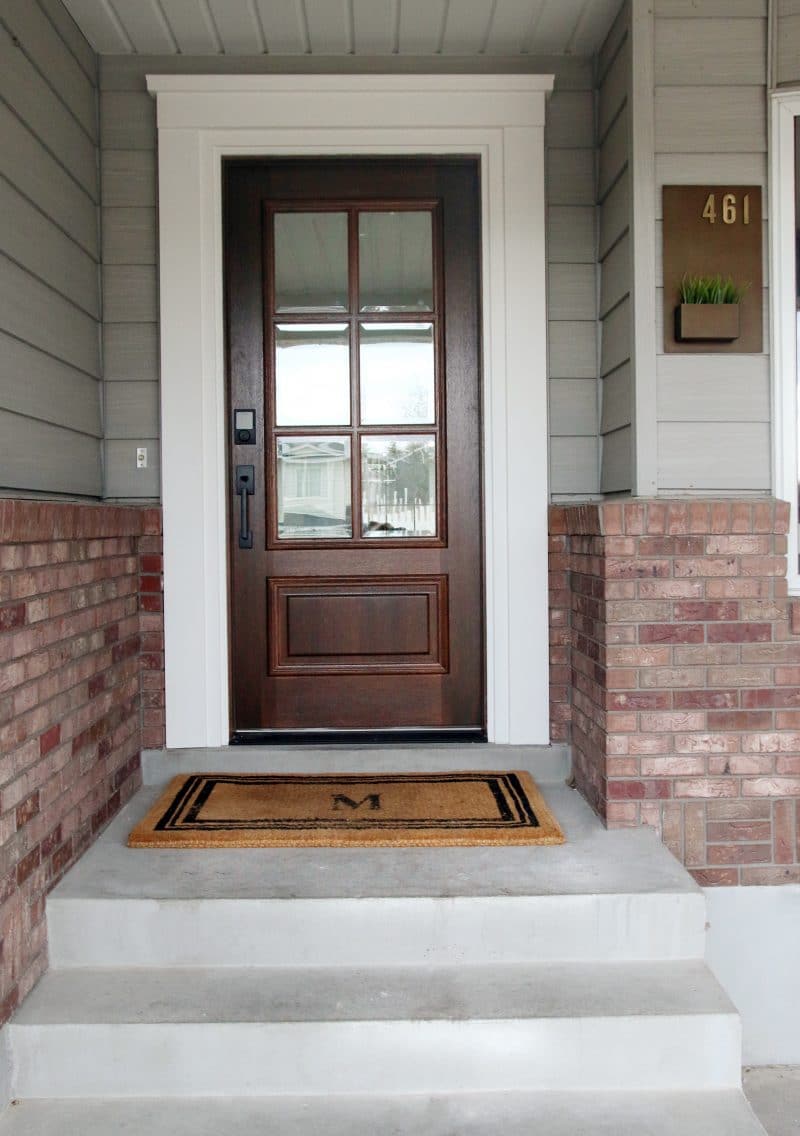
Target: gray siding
[50, 406]
[130, 293]
[572, 286]
[787, 56]
[711, 126]
[128, 141]
[614, 256]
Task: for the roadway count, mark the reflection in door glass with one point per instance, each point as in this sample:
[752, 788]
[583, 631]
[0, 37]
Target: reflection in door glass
[395, 256]
[312, 374]
[397, 383]
[398, 486]
[314, 488]
[311, 262]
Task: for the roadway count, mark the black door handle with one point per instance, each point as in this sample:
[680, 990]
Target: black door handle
[245, 487]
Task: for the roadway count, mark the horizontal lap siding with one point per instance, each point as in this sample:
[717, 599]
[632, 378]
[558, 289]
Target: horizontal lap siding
[572, 287]
[50, 406]
[787, 64]
[615, 257]
[710, 121]
[130, 289]
[128, 141]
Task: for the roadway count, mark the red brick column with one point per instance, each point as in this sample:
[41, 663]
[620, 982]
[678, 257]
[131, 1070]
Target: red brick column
[151, 624]
[686, 679]
[72, 647]
[559, 600]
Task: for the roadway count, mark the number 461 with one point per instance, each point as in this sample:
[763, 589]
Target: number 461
[729, 209]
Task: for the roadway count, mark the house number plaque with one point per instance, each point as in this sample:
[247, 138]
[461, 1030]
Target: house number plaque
[713, 231]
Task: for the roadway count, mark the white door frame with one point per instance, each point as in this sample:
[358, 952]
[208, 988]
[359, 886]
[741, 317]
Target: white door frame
[499, 119]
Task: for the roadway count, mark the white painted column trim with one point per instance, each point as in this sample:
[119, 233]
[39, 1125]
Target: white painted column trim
[500, 119]
[784, 108]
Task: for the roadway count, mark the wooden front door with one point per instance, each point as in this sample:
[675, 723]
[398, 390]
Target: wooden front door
[354, 391]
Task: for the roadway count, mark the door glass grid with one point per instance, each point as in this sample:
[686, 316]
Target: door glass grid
[349, 350]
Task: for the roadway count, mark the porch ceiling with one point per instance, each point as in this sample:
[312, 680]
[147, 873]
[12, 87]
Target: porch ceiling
[344, 27]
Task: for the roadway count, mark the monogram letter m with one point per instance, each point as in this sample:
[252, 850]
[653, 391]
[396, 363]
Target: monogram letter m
[341, 801]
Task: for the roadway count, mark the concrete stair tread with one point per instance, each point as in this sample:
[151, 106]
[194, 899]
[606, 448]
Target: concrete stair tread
[707, 1113]
[232, 995]
[593, 862]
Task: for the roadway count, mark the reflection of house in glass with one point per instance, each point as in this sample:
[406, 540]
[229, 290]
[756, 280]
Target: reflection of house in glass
[398, 485]
[314, 487]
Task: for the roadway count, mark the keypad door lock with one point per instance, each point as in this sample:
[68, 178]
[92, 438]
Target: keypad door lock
[244, 427]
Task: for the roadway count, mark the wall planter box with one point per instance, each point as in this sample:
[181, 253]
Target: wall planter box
[707, 321]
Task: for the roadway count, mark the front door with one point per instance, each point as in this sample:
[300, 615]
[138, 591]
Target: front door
[352, 300]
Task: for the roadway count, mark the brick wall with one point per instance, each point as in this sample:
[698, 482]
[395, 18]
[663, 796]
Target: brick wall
[684, 698]
[81, 674]
[151, 626]
[560, 629]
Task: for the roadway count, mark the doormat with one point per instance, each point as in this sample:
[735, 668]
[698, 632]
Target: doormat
[243, 810]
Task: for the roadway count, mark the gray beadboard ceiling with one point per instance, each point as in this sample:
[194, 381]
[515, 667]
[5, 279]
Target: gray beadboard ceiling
[344, 27]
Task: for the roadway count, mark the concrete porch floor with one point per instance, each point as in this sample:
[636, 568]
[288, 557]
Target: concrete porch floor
[593, 860]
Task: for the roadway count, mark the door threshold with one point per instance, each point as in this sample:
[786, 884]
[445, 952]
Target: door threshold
[404, 736]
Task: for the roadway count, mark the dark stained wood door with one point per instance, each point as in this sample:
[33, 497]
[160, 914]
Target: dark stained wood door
[352, 300]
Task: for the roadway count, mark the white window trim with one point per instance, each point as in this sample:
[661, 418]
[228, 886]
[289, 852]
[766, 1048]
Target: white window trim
[785, 107]
[500, 119]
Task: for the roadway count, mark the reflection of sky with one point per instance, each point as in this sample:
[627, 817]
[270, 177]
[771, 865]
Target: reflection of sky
[313, 383]
[397, 382]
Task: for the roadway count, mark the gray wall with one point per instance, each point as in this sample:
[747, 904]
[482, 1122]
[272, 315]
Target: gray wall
[130, 296]
[128, 141]
[711, 127]
[787, 55]
[50, 408]
[572, 283]
[614, 255]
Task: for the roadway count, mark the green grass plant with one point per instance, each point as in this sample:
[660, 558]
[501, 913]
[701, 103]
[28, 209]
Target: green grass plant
[711, 290]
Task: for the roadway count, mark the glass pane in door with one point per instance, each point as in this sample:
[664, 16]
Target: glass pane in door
[314, 488]
[311, 262]
[395, 256]
[398, 486]
[397, 373]
[312, 374]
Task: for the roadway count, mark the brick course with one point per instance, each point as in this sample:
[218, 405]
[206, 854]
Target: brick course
[81, 692]
[683, 698]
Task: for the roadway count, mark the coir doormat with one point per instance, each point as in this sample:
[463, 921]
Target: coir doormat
[240, 810]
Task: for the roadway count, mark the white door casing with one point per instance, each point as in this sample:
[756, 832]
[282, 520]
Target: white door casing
[500, 119]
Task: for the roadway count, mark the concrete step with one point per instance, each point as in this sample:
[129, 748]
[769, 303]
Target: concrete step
[723, 1113]
[331, 1031]
[602, 895]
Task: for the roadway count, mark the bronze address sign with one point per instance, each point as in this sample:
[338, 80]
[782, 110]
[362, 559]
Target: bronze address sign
[709, 231]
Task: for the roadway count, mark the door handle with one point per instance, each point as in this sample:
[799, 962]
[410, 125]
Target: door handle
[245, 487]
